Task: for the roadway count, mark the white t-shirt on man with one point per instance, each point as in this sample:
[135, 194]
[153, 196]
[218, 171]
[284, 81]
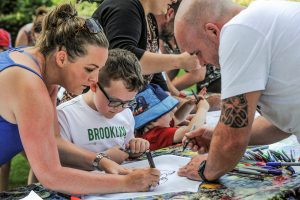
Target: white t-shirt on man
[83, 126]
[260, 51]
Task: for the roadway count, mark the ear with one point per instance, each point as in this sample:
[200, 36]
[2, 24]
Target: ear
[61, 58]
[170, 15]
[93, 87]
[212, 32]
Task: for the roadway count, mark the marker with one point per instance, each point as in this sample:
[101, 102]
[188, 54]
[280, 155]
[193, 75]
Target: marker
[280, 164]
[246, 171]
[128, 151]
[196, 97]
[266, 171]
[255, 148]
[187, 141]
[150, 159]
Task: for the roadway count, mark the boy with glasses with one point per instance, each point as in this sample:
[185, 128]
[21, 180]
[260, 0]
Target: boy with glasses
[101, 120]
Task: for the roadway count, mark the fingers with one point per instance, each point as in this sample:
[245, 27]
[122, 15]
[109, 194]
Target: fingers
[196, 133]
[138, 145]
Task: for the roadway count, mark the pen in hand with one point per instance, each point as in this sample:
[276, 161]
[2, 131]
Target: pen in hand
[187, 141]
[150, 159]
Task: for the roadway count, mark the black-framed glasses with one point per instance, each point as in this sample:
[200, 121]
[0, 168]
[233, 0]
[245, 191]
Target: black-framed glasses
[93, 26]
[116, 103]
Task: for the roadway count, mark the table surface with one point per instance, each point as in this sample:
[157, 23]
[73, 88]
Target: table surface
[229, 186]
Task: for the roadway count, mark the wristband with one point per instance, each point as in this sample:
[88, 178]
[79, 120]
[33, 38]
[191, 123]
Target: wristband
[96, 161]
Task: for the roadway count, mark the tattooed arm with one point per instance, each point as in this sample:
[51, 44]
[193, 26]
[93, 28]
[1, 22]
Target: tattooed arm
[230, 138]
[232, 134]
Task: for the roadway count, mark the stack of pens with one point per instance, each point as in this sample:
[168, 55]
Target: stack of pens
[260, 162]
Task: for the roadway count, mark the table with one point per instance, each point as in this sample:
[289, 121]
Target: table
[229, 187]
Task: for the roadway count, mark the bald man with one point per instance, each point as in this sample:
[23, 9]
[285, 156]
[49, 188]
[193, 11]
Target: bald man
[257, 49]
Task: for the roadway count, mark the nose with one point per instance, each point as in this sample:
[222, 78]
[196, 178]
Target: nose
[94, 77]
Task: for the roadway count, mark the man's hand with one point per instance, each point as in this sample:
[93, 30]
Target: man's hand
[191, 169]
[199, 139]
[137, 146]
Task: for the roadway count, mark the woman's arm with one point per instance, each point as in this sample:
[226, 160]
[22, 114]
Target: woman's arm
[34, 113]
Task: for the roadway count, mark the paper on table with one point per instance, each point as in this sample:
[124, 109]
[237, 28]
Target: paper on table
[32, 196]
[169, 180]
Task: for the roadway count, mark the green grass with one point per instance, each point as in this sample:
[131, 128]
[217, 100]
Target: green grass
[18, 172]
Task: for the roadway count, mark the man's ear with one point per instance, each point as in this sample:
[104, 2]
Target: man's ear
[212, 32]
[170, 15]
[61, 58]
[93, 87]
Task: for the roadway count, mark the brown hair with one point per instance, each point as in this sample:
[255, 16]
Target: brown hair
[122, 65]
[62, 28]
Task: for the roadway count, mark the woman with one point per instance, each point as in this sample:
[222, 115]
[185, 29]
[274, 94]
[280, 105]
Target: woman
[130, 24]
[69, 52]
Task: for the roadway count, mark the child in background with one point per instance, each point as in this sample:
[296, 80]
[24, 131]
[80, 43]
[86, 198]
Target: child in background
[154, 117]
[5, 43]
[101, 120]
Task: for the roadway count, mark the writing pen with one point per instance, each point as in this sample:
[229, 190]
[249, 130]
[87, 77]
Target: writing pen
[266, 171]
[246, 171]
[150, 158]
[279, 164]
[196, 97]
[187, 141]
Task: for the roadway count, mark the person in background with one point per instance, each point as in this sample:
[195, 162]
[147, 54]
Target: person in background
[69, 52]
[5, 41]
[208, 77]
[101, 120]
[131, 25]
[28, 34]
[259, 62]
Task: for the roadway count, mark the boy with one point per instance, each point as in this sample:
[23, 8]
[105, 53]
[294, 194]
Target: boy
[101, 120]
[154, 117]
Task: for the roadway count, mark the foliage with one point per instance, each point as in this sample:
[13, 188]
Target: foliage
[15, 14]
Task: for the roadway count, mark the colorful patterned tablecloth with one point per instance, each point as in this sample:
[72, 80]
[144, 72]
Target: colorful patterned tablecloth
[229, 187]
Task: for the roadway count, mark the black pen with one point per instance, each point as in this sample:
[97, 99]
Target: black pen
[196, 97]
[150, 159]
[187, 141]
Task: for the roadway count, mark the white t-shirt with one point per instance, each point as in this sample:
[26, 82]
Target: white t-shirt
[260, 51]
[87, 128]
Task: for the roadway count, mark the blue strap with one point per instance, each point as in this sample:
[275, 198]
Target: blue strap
[19, 49]
[25, 67]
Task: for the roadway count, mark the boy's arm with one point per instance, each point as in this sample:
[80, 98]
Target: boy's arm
[199, 118]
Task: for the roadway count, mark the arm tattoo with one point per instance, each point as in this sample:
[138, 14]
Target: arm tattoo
[235, 111]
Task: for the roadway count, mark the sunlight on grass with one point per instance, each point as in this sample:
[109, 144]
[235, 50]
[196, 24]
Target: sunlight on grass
[19, 171]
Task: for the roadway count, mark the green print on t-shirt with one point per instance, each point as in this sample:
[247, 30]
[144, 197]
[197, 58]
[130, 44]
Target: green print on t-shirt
[106, 133]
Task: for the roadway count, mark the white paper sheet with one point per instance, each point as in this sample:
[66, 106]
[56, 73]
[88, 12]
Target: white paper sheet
[32, 196]
[170, 181]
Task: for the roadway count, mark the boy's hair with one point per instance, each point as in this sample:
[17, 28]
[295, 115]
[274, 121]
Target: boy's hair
[122, 65]
[62, 28]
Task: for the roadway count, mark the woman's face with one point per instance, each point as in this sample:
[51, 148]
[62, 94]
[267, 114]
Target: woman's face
[83, 71]
[160, 7]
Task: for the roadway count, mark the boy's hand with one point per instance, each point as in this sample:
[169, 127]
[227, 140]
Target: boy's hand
[116, 154]
[199, 139]
[137, 146]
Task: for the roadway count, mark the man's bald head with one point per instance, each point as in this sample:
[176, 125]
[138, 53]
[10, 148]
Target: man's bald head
[198, 25]
[193, 11]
